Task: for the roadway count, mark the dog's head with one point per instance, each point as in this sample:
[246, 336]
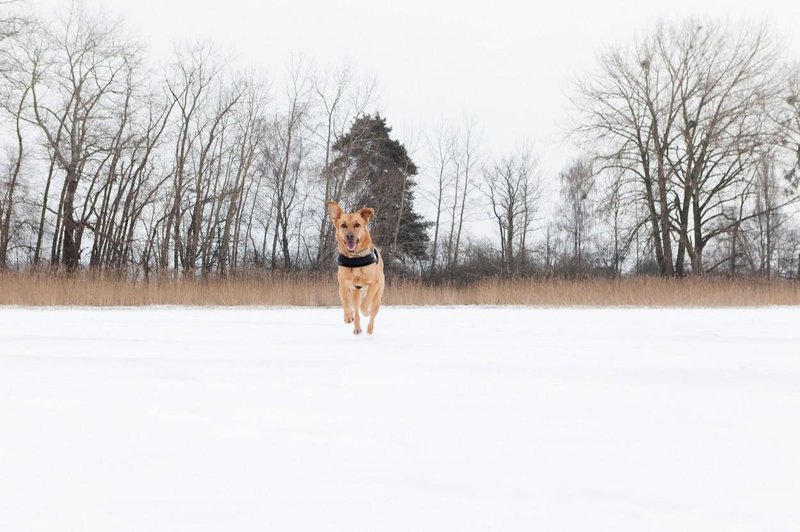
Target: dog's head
[352, 234]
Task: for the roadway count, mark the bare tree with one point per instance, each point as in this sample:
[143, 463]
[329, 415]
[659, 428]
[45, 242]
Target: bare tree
[466, 160]
[725, 129]
[577, 185]
[286, 153]
[197, 92]
[687, 111]
[250, 133]
[14, 95]
[620, 115]
[83, 63]
[453, 158]
[13, 101]
[13, 19]
[618, 218]
[441, 149]
[513, 190]
[756, 242]
[209, 170]
[790, 123]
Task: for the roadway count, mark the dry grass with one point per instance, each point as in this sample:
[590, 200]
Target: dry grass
[603, 292]
[48, 290]
[82, 290]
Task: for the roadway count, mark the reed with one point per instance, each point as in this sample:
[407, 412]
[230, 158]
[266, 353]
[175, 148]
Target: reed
[33, 289]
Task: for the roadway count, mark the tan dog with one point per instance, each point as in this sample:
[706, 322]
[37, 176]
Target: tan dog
[361, 279]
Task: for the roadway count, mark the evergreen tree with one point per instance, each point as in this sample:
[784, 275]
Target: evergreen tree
[378, 173]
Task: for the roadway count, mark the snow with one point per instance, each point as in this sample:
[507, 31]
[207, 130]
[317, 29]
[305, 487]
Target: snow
[462, 419]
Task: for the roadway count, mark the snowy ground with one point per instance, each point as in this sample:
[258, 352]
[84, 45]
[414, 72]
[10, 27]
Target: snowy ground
[448, 419]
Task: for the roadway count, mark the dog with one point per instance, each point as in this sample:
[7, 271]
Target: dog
[360, 273]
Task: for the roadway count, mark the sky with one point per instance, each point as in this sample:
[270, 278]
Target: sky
[509, 66]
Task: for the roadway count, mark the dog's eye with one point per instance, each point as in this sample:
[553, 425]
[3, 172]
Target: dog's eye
[344, 226]
[358, 225]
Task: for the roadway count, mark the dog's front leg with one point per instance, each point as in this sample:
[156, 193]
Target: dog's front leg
[356, 295]
[346, 304]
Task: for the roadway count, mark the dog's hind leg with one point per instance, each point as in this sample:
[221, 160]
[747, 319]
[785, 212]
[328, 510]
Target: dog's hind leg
[365, 303]
[373, 301]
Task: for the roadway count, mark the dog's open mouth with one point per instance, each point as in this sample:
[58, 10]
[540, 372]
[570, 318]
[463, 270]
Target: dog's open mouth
[351, 244]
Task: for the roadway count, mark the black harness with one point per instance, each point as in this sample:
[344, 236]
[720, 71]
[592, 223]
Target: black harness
[358, 262]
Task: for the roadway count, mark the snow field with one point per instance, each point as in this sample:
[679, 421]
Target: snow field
[172, 419]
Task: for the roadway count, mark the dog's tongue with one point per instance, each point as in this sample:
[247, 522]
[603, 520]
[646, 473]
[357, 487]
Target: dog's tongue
[351, 246]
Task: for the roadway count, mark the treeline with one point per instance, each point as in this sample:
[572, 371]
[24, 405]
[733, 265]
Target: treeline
[695, 130]
[690, 141]
[198, 169]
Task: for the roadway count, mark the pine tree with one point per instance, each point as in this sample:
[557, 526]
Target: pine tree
[379, 174]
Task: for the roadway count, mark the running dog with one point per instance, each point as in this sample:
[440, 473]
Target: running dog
[361, 279]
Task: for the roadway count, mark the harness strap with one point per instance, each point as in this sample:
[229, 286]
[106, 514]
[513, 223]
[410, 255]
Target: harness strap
[357, 262]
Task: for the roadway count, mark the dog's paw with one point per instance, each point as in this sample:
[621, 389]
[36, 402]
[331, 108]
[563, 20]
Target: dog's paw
[357, 330]
[348, 317]
[370, 328]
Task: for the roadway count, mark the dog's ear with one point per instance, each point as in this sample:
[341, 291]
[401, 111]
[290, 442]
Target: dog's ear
[367, 213]
[334, 210]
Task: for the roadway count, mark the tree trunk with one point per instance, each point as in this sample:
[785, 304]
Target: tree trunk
[71, 250]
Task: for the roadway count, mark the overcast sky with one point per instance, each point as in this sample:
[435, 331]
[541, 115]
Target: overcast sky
[508, 65]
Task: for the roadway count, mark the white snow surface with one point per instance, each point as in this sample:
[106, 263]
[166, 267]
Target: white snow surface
[447, 419]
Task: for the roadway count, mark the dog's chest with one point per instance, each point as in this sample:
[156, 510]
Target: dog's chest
[358, 278]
